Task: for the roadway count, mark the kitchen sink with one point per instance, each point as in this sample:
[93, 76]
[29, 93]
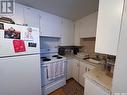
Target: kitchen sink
[93, 61]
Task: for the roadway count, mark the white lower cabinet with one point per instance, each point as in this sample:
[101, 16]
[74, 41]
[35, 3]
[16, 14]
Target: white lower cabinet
[69, 68]
[92, 88]
[75, 70]
[84, 68]
[79, 69]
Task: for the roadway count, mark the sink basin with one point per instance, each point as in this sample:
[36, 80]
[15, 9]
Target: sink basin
[93, 61]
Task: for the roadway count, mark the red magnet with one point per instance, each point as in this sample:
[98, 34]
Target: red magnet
[19, 46]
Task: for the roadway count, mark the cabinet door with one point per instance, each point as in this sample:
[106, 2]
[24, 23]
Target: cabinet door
[31, 17]
[67, 32]
[69, 68]
[18, 15]
[81, 72]
[88, 26]
[119, 79]
[93, 89]
[42, 23]
[108, 26]
[75, 73]
[52, 25]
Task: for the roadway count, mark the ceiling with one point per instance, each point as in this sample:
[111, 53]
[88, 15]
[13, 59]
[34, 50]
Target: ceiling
[71, 9]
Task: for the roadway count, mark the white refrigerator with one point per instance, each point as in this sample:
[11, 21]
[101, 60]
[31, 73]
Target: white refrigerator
[19, 60]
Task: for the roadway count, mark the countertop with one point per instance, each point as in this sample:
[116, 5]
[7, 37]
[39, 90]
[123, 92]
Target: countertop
[82, 60]
[98, 75]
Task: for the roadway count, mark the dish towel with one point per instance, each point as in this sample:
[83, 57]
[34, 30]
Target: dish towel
[55, 70]
[62, 68]
[50, 71]
[59, 71]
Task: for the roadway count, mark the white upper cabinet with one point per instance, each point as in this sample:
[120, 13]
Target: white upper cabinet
[50, 25]
[18, 16]
[42, 23]
[31, 17]
[119, 79]
[67, 38]
[108, 26]
[88, 26]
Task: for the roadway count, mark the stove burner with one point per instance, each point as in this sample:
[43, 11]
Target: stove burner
[59, 57]
[55, 56]
[45, 59]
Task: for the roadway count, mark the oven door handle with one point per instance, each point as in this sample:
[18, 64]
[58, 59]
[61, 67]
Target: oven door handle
[45, 66]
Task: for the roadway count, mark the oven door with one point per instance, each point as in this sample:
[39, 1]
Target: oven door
[44, 75]
[44, 80]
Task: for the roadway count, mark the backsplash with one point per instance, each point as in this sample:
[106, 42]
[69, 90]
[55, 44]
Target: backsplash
[49, 42]
[88, 46]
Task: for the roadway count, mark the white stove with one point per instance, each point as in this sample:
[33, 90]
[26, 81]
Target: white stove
[53, 70]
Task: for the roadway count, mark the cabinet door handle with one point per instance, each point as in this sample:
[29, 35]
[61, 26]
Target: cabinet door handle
[86, 69]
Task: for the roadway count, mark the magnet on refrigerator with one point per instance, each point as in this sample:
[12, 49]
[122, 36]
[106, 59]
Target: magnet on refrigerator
[19, 46]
